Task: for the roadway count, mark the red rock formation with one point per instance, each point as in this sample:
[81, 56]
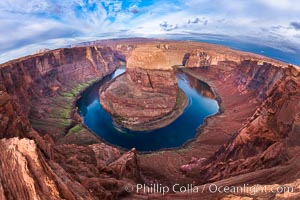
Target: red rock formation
[24, 173]
[11, 124]
[146, 98]
[100, 171]
[198, 58]
[99, 168]
[37, 168]
[254, 140]
[160, 81]
[148, 67]
[265, 138]
[42, 84]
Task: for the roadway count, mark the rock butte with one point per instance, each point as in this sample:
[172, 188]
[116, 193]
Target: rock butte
[147, 97]
[46, 153]
[148, 57]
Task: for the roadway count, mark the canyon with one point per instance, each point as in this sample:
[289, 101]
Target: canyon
[48, 153]
[147, 96]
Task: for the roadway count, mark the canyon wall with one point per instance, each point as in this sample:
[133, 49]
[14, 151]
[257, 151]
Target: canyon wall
[44, 85]
[261, 145]
[269, 137]
[37, 166]
[149, 68]
[43, 74]
[145, 98]
[41, 159]
[197, 58]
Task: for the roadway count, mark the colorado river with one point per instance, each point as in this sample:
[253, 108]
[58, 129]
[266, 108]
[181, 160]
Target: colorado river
[200, 106]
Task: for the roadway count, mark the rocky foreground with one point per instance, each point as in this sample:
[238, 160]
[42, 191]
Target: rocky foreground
[147, 96]
[47, 153]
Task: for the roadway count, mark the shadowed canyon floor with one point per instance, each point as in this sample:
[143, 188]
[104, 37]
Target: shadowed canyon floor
[48, 153]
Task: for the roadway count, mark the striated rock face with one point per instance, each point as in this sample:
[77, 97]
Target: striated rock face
[148, 57]
[149, 69]
[54, 72]
[270, 135]
[36, 94]
[36, 168]
[253, 140]
[160, 81]
[197, 58]
[24, 173]
[43, 85]
[11, 124]
[101, 171]
[145, 98]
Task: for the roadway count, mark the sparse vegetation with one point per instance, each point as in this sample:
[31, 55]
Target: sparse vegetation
[75, 129]
[59, 116]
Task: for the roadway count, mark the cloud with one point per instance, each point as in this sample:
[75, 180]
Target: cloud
[197, 20]
[134, 9]
[32, 22]
[295, 25]
[168, 27]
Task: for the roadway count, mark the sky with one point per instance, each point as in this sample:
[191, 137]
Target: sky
[27, 26]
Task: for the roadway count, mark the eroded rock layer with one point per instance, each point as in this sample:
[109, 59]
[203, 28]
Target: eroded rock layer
[197, 58]
[44, 85]
[145, 98]
[38, 167]
[46, 153]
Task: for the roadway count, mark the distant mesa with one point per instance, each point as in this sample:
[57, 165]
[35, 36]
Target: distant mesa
[43, 50]
[197, 58]
[147, 97]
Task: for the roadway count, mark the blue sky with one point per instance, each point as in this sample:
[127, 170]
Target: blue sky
[27, 26]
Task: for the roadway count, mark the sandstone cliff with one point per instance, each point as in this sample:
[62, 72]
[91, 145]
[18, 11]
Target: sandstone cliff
[267, 138]
[197, 58]
[101, 172]
[43, 85]
[254, 139]
[148, 57]
[264, 140]
[149, 68]
[146, 97]
[35, 93]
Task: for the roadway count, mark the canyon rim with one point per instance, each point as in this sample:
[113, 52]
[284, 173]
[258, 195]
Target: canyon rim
[51, 154]
[149, 100]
